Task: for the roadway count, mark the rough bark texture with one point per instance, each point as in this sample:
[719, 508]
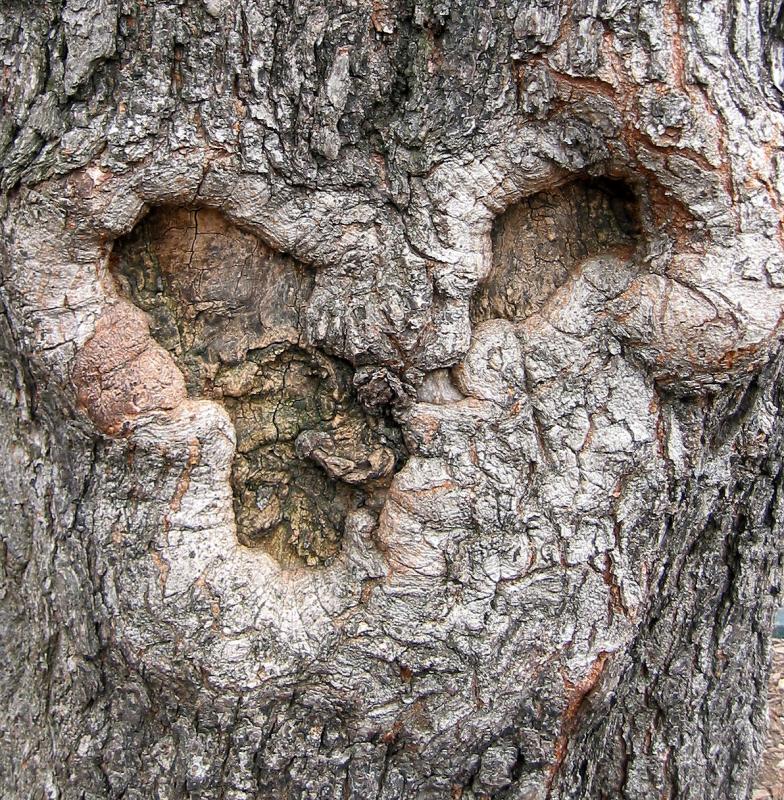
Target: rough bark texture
[770, 781]
[391, 397]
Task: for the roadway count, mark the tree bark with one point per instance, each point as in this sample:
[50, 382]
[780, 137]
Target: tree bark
[391, 397]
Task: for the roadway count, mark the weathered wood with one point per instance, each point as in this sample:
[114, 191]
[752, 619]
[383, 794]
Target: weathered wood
[391, 398]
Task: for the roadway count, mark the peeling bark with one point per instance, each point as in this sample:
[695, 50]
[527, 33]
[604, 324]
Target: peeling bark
[391, 398]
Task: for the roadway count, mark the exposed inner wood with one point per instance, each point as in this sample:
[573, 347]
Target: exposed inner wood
[227, 308]
[539, 241]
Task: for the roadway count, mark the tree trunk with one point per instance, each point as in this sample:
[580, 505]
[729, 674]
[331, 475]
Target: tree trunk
[391, 397]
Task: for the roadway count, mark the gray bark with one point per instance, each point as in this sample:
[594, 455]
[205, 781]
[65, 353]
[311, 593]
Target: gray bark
[391, 397]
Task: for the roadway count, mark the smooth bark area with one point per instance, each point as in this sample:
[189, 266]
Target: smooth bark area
[390, 398]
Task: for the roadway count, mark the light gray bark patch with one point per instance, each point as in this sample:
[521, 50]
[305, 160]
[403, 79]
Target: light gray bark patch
[228, 309]
[90, 30]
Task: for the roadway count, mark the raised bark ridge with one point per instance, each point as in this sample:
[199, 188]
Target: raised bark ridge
[564, 589]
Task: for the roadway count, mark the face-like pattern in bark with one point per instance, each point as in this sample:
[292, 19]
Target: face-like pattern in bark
[455, 402]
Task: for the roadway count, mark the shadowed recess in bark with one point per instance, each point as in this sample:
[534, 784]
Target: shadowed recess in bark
[228, 309]
[539, 241]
